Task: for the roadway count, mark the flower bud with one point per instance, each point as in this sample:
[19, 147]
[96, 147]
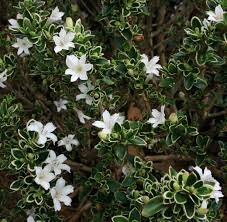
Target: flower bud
[202, 211]
[69, 22]
[138, 38]
[102, 135]
[176, 186]
[30, 156]
[130, 72]
[145, 199]
[181, 95]
[173, 118]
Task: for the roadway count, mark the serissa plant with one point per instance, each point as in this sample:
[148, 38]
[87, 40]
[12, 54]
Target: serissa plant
[73, 89]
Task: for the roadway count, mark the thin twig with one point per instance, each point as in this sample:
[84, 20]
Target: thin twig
[78, 166]
[212, 115]
[79, 211]
[168, 157]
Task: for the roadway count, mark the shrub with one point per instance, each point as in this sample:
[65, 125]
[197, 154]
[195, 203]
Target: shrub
[86, 119]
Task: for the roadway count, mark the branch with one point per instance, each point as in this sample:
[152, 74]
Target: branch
[157, 158]
[78, 166]
[80, 210]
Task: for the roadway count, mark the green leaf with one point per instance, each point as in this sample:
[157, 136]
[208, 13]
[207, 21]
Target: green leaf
[154, 206]
[120, 151]
[172, 172]
[127, 34]
[202, 141]
[16, 185]
[137, 141]
[134, 215]
[195, 22]
[119, 218]
[167, 82]
[204, 191]
[200, 83]
[224, 3]
[167, 213]
[225, 18]
[120, 197]
[177, 132]
[113, 185]
[189, 81]
[192, 178]
[128, 181]
[168, 195]
[193, 131]
[189, 209]
[17, 154]
[17, 164]
[180, 198]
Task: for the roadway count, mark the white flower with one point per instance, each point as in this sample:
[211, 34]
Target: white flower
[19, 16]
[30, 219]
[44, 132]
[23, 45]
[56, 163]
[82, 116]
[77, 68]
[206, 23]
[158, 117]
[59, 194]
[151, 67]
[127, 169]
[109, 121]
[43, 177]
[31, 215]
[217, 15]
[13, 24]
[204, 204]
[85, 89]
[207, 177]
[68, 141]
[55, 16]
[64, 40]
[3, 78]
[61, 104]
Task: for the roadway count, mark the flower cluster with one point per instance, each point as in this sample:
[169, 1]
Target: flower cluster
[54, 166]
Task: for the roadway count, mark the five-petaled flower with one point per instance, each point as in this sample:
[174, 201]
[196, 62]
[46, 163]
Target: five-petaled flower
[43, 177]
[55, 16]
[151, 67]
[60, 193]
[44, 132]
[207, 177]
[13, 22]
[68, 141]
[77, 68]
[64, 40]
[217, 15]
[61, 104]
[109, 121]
[56, 163]
[158, 117]
[23, 45]
[81, 116]
[3, 78]
[85, 89]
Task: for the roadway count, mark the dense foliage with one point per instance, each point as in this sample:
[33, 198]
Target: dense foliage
[104, 118]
